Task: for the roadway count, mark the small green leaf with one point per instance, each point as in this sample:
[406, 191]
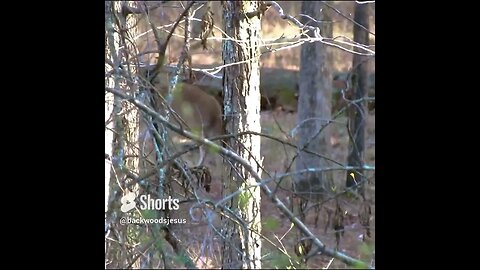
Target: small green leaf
[158, 245]
[366, 249]
[144, 238]
[243, 199]
[281, 261]
[213, 149]
[181, 259]
[149, 214]
[359, 265]
[271, 223]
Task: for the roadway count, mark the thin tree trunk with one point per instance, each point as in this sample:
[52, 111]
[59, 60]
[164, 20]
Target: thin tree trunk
[131, 115]
[357, 113]
[130, 112]
[123, 127]
[242, 113]
[112, 250]
[111, 42]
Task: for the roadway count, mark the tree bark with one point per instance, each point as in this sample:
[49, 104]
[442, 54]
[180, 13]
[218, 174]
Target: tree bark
[314, 112]
[111, 46]
[357, 113]
[121, 134]
[112, 141]
[242, 112]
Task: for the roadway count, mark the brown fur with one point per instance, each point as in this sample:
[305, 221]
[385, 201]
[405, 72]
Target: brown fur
[199, 111]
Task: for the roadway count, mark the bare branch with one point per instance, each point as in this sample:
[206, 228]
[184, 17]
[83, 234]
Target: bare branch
[163, 48]
[291, 18]
[265, 189]
[316, 32]
[348, 18]
[365, 2]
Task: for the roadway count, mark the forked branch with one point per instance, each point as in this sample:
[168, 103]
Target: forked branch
[265, 189]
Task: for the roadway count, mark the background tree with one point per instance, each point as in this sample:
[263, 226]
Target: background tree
[242, 113]
[207, 194]
[313, 118]
[314, 102]
[357, 109]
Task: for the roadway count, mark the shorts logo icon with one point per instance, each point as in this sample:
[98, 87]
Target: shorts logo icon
[128, 202]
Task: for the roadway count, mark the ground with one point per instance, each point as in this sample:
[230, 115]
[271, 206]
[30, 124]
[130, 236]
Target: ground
[204, 243]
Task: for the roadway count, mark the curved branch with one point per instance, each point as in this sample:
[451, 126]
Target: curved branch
[315, 30]
[265, 189]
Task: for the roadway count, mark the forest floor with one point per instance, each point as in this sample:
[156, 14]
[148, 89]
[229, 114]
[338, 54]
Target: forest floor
[204, 243]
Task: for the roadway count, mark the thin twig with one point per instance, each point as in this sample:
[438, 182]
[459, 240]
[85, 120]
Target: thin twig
[265, 189]
[315, 30]
[348, 18]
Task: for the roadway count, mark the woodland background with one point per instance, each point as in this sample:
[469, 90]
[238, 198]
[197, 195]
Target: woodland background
[342, 230]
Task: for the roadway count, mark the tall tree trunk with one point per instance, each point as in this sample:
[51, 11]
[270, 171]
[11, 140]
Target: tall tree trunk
[314, 108]
[242, 112]
[111, 140]
[357, 112]
[131, 111]
[123, 143]
[111, 47]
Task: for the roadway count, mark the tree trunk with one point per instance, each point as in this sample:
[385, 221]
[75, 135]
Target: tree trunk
[314, 112]
[357, 112]
[122, 132]
[112, 259]
[242, 113]
[111, 47]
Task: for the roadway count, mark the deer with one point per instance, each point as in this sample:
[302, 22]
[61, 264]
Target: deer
[192, 109]
[199, 111]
